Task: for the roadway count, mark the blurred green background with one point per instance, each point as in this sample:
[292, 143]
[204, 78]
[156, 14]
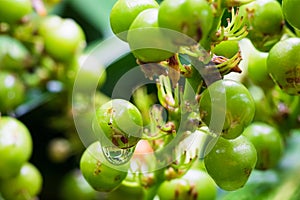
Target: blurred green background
[93, 17]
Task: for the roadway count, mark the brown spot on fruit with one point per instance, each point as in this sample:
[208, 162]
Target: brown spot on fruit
[247, 171]
[124, 139]
[115, 141]
[199, 33]
[117, 178]
[177, 193]
[97, 170]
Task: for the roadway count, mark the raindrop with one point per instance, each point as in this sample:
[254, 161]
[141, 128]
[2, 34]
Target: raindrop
[117, 156]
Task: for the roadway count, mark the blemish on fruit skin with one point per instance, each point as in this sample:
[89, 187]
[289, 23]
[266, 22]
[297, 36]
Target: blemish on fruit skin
[184, 27]
[124, 139]
[192, 192]
[177, 193]
[97, 170]
[247, 171]
[110, 110]
[195, 196]
[117, 178]
[265, 156]
[115, 141]
[199, 33]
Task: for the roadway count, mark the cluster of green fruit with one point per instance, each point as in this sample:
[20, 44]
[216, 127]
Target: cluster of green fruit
[191, 47]
[258, 115]
[36, 48]
[19, 179]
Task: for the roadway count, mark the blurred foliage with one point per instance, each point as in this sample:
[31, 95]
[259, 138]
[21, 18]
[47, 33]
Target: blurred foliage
[93, 17]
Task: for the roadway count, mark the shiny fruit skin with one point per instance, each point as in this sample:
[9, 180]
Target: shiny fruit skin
[231, 162]
[63, 38]
[283, 64]
[268, 17]
[227, 48]
[27, 184]
[263, 16]
[97, 173]
[121, 123]
[127, 191]
[239, 110]
[12, 92]
[193, 18]
[124, 12]
[13, 53]
[12, 11]
[15, 146]
[147, 41]
[174, 189]
[291, 12]
[74, 186]
[257, 69]
[194, 185]
[202, 185]
[265, 22]
[268, 144]
[87, 68]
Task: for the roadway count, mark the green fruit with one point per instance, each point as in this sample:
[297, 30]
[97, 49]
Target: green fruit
[263, 16]
[195, 184]
[12, 92]
[124, 12]
[174, 189]
[264, 19]
[268, 144]
[263, 110]
[285, 110]
[283, 64]
[202, 185]
[231, 162]
[13, 53]
[268, 17]
[227, 48]
[15, 146]
[121, 123]
[97, 172]
[86, 68]
[127, 191]
[27, 184]
[12, 11]
[63, 38]
[257, 69]
[291, 13]
[147, 41]
[74, 186]
[239, 110]
[192, 18]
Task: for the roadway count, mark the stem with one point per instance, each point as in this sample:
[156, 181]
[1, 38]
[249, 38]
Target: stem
[297, 31]
[152, 191]
[290, 33]
[206, 42]
[288, 188]
[209, 73]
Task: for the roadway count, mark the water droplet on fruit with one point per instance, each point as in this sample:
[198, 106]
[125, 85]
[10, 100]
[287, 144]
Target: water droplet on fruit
[117, 156]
